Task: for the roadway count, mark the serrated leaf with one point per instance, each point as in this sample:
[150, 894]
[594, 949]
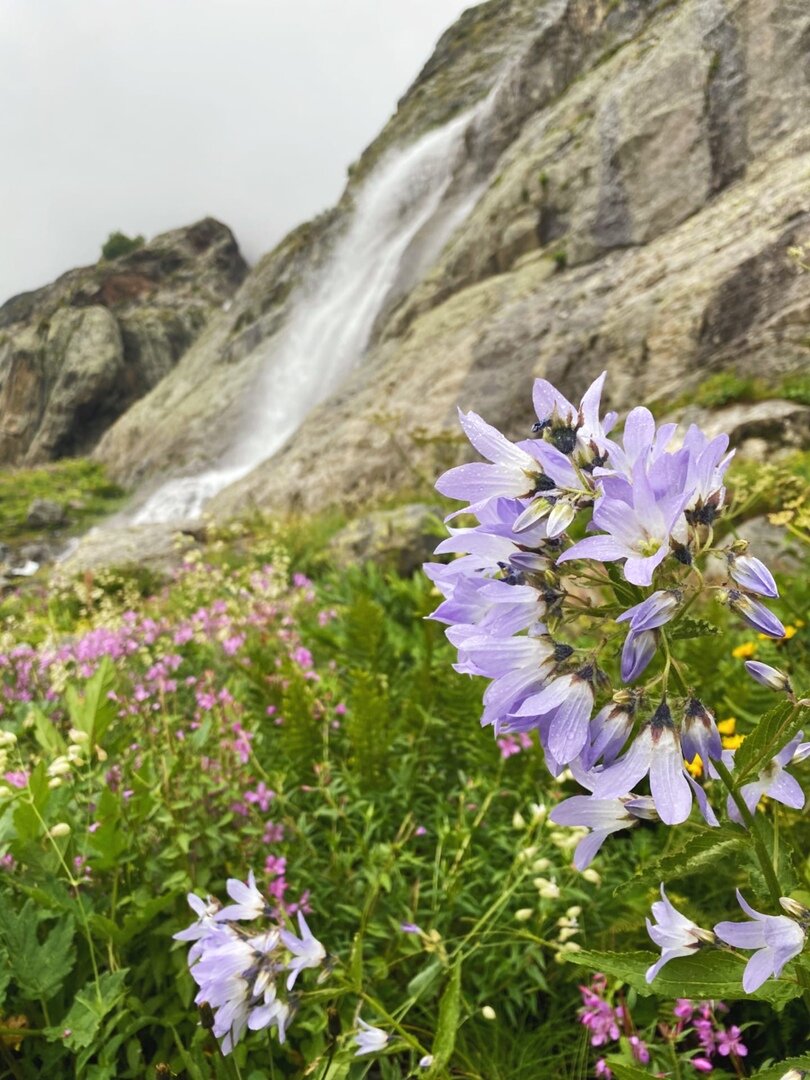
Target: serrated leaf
[708, 975]
[778, 1071]
[774, 731]
[38, 968]
[698, 848]
[447, 1027]
[92, 1003]
[692, 628]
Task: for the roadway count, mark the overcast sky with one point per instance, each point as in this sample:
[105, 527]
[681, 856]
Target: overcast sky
[143, 115]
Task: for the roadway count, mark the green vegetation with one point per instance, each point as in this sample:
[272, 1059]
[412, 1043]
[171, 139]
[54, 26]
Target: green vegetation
[79, 485]
[728, 388]
[118, 243]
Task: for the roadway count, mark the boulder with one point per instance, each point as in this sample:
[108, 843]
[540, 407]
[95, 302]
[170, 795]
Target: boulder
[45, 514]
[76, 354]
[158, 547]
[402, 538]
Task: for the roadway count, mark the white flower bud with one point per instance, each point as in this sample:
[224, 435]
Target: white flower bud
[61, 829]
[77, 736]
[592, 875]
[488, 1012]
[524, 914]
[59, 767]
[7, 738]
[541, 865]
[518, 820]
[539, 813]
[54, 783]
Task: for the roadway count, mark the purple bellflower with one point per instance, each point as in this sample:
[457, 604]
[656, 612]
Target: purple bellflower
[674, 933]
[603, 817]
[369, 1039]
[774, 781]
[307, 951]
[638, 530]
[776, 938]
[656, 751]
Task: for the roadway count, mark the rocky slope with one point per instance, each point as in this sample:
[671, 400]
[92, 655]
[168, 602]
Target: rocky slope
[645, 168]
[76, 354]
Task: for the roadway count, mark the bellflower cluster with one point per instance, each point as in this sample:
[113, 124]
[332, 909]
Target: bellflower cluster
[242, 973]
[580, 535]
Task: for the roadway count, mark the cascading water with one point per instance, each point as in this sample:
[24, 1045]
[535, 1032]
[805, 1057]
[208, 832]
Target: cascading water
[404, 214]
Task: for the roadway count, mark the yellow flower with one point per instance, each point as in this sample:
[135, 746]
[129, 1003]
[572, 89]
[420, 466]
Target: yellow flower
[741, 652]
[695, 767]
[790, 631]
[726, 727]
[800, 623]
[733, 742]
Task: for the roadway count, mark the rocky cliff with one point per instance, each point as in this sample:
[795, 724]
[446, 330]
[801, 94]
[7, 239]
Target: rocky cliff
[643, 169]
[76, 354]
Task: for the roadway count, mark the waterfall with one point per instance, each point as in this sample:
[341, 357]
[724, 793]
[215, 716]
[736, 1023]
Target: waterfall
[404, 213]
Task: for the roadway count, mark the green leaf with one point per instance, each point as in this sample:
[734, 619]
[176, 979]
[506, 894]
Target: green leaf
[628, 595]
[777, 1072]
[692, 628]
[447, 1026]
[5, 976]
[696, 849]
[91, 1004]
[47, 734]
[424, 979]
[622, 1071]
[708, 975]
[38, 969]
[94, 711]
[774, 731]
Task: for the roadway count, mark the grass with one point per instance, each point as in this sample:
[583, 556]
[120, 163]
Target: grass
[81, 486]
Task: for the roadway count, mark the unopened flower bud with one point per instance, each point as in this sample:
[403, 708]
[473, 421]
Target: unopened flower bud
[7, 738]
[769, 676]
[61, 829]
[518, 820]
[488, 1012]
[795, 910]
[59, 767]
[524, 914]
[539, 866]
[55, 783]
[77, 736]
[539, 813]
[592, 875]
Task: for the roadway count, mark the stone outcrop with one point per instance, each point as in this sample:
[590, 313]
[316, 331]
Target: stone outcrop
[76, 354]
[644, 168]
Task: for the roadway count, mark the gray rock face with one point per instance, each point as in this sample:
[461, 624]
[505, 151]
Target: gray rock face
[43, 513]
[646, 168]
[403, 538]
[76, 354]
[160, 547]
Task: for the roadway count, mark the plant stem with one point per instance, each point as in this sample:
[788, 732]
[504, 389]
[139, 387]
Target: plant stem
[763, 857]
[752, 825]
